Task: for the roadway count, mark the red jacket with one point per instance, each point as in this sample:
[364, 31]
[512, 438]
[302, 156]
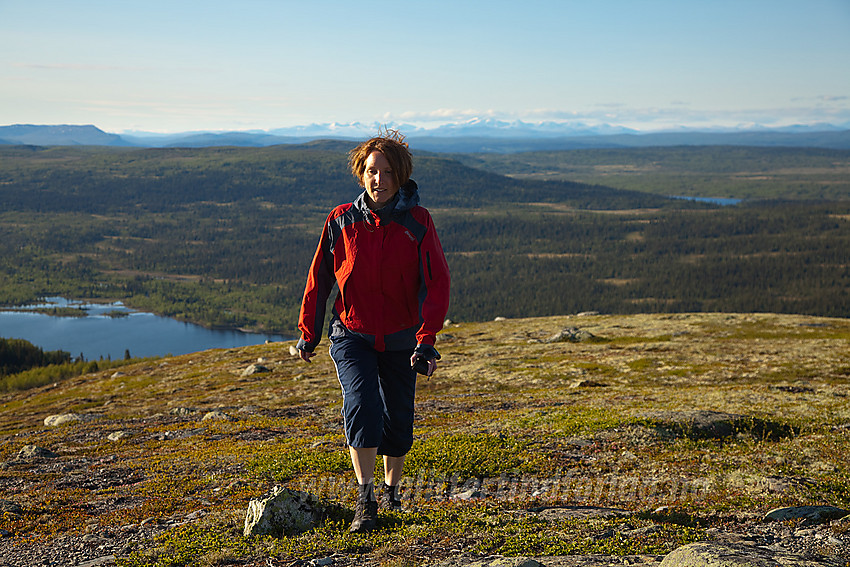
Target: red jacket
[391, 272]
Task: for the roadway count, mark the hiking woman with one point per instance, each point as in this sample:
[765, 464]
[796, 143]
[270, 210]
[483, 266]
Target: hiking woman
[383, 253]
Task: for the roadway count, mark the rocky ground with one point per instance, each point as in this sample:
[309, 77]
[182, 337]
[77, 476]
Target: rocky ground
[584, 440]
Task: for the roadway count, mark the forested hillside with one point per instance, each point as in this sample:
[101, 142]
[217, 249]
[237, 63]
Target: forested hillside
[223, 236]
[102, 180]
[715, 171]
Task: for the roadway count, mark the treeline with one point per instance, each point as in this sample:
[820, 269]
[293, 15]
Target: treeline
[24, 365]
[17, 355]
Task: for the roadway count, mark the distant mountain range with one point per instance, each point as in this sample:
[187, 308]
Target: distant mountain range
[472, 136]
[62, 135]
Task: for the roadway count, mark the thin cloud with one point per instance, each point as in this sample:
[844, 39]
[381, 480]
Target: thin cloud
[441, 115]
[72, 67]
[822, 98]
[676, 115]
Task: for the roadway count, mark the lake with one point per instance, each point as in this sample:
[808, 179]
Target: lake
[108, 330]
[724, 201]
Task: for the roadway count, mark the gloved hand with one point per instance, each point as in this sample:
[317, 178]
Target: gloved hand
[304, 350]
[424, 359]
[306, 355]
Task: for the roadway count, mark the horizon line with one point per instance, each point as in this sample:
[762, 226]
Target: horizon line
[570, 128]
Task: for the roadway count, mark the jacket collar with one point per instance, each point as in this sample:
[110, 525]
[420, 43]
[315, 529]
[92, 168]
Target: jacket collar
[406, 198]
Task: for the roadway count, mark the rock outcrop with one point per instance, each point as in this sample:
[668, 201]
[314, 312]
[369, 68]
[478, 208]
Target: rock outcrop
[570, 335]
[714, 554]
[256, 368]
[283, 512]
[62, 419]
[808, 514]
[30, 452]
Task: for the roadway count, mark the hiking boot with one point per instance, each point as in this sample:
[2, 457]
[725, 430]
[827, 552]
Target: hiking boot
[390, 498]
[365, 516]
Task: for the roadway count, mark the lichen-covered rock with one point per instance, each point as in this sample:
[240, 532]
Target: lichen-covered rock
[30, 452]
[809, 514]
[61, 419]
[283, 512]
[215, 415]
[714, 554]
[181, 411]
[570, 335]
[255, 369]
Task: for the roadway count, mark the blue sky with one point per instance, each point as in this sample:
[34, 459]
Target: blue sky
[180, 65]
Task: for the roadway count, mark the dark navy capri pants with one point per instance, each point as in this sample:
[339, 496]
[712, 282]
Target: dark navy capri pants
[378, 390]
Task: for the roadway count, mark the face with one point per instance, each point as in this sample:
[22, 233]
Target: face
[378, 179]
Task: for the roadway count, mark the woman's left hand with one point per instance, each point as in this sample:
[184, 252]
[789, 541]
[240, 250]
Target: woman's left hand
[425, 353]
[306, 355]
[432, 363]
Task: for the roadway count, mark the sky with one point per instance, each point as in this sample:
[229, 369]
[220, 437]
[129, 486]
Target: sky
[186, 65]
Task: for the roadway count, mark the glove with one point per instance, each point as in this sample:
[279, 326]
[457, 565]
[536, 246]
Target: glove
[424, 359]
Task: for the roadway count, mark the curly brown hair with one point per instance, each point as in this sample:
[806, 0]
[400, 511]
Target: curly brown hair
[390, 143]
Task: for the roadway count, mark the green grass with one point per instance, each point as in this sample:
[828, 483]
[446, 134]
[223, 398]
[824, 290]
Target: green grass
[285, 461]
[584, 421]
[469, 455]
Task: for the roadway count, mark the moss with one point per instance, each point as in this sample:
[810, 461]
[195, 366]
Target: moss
[284, 461]
[573, 421]
[768, 328]
[188, 545]
[527, 535]
[642, 364]
[597, 368]
[617, 342]
[832, 489]
[469, 455]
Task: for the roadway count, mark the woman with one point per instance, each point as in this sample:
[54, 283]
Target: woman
[383, 253]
